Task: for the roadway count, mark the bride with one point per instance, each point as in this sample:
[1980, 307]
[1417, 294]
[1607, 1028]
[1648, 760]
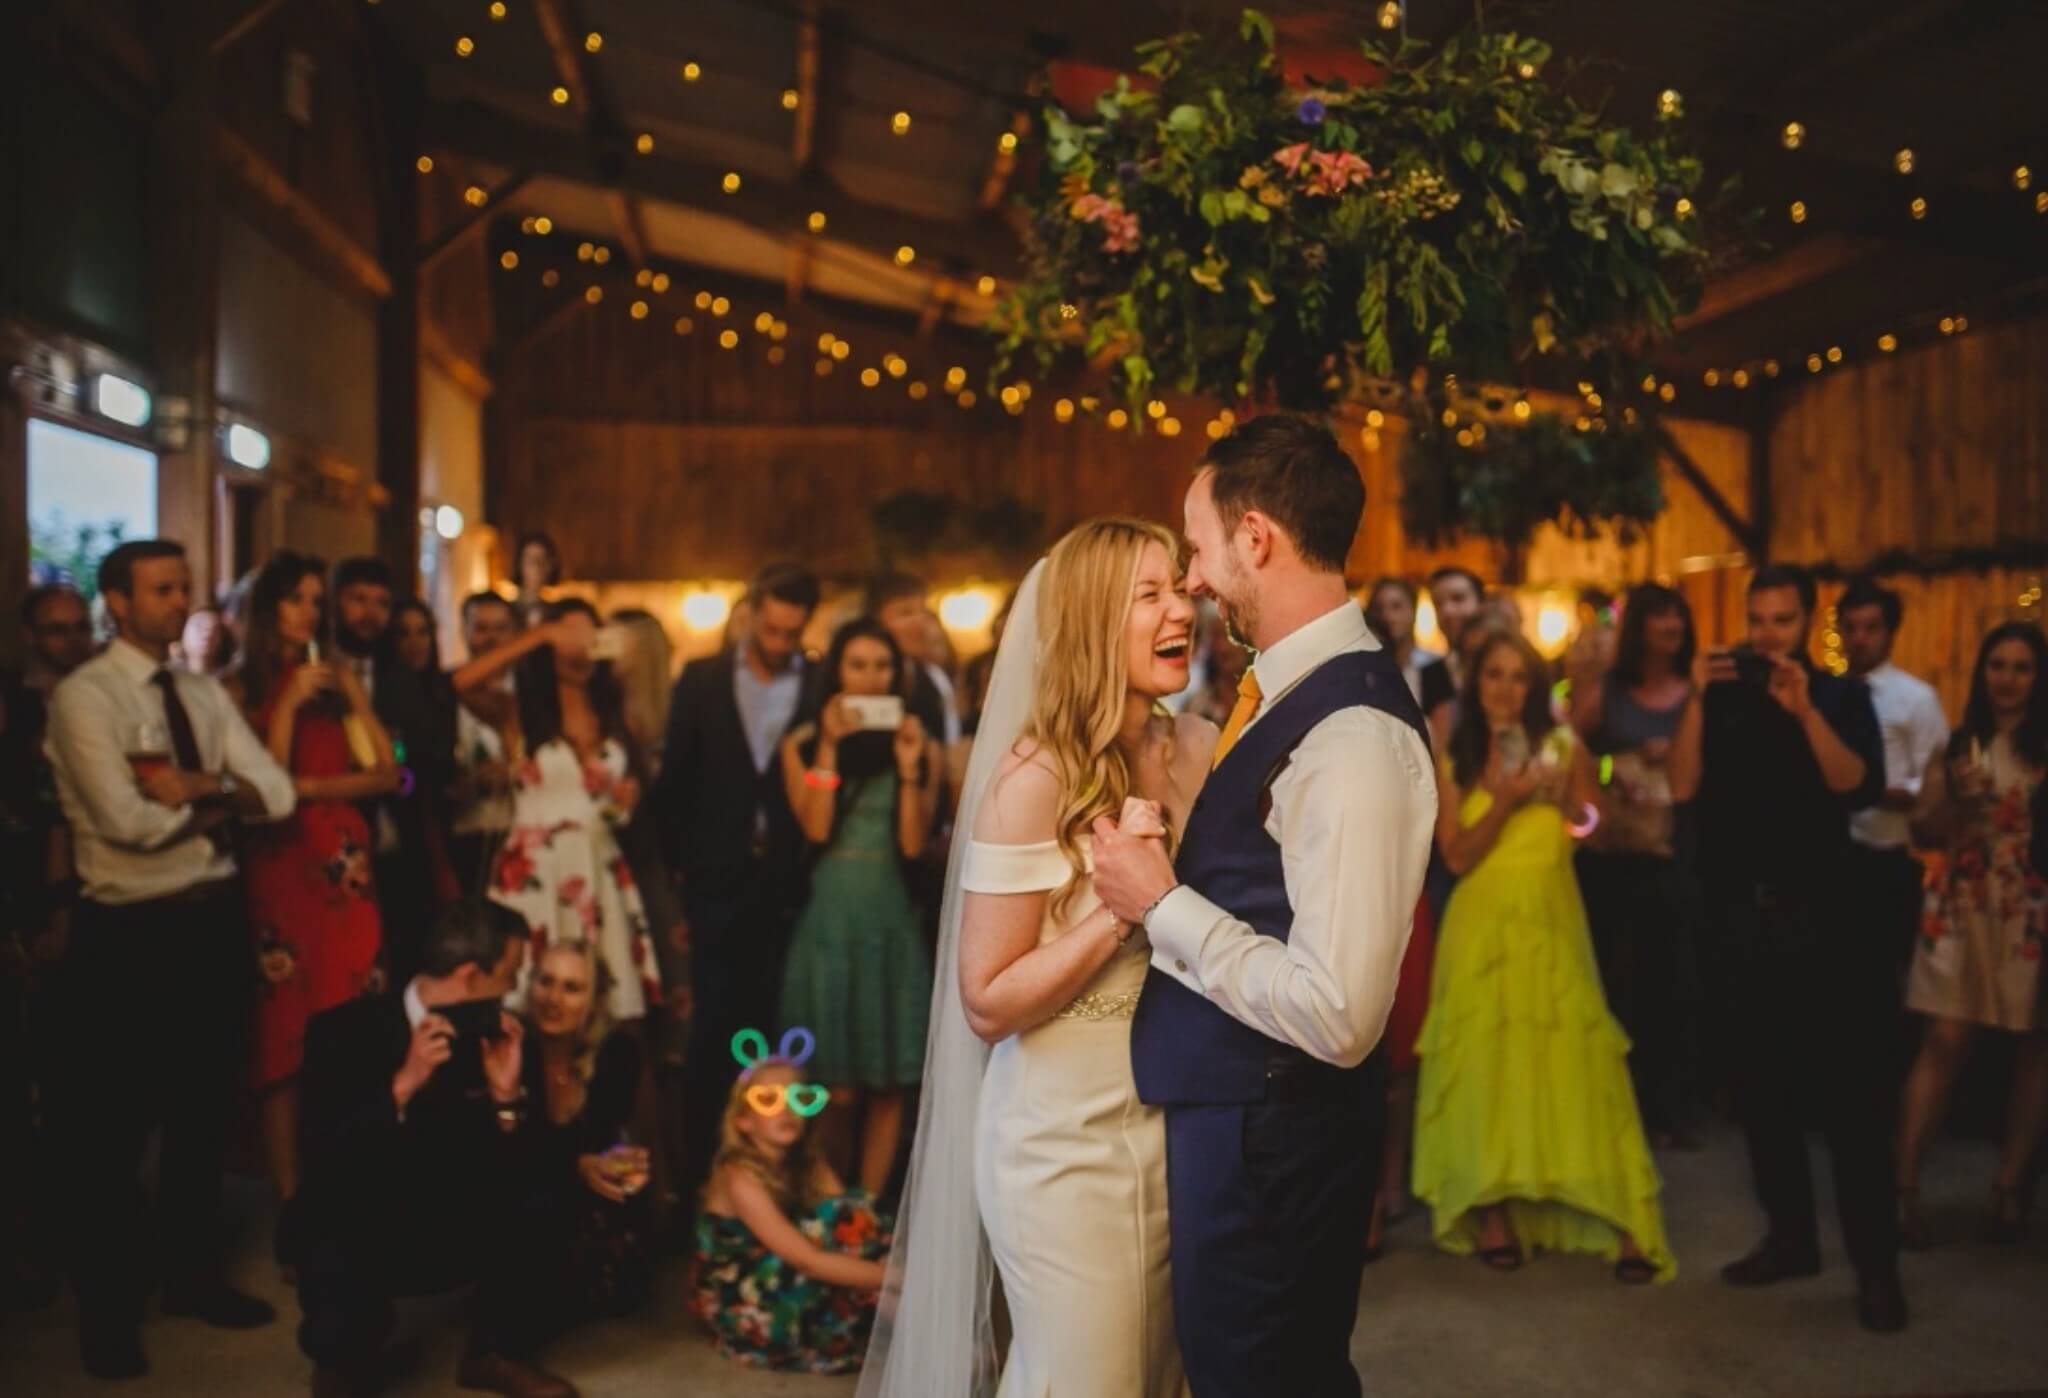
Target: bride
[1036, 1154]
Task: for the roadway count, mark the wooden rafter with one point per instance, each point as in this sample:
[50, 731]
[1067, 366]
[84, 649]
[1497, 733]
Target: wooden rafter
[241, 27]
[459, 232]
[626, 218]
[936, 304]
[1710, 494]
[962, 248]
[1776, 276]
[803, 130]
[577, 69]
[565, 48]
[797, 279]
[1004, 161]
[442, 353]
[266, 182]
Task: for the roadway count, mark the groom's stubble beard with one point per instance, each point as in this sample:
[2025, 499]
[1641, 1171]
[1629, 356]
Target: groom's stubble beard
[1237, 604]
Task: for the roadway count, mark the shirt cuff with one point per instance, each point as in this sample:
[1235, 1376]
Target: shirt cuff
[1177, 928]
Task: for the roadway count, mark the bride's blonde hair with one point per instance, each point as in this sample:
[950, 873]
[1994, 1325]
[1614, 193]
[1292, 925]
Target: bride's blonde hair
[1084, 604]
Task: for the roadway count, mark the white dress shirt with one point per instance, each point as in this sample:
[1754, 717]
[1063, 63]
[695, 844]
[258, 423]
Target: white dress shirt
[129, 848]
[1909, 713]
[1353, 813]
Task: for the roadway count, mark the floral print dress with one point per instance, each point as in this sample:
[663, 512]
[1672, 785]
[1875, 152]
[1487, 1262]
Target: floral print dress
[768, 1315]
[561, 869]
[1986, 910]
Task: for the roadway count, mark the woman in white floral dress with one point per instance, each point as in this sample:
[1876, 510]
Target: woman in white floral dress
[575, 785]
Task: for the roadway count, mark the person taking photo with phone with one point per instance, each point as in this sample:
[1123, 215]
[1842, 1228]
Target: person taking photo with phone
[1776, 754]
[862, 778]
[576, 781]
[312, 896]
[421, 1160]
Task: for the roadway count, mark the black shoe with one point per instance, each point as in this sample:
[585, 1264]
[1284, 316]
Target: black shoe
[220, 1306]
[1772, 1261]
[1881, 1305]
[115, 1355]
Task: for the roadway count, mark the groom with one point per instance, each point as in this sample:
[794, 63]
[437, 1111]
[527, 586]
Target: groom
[1277, 938]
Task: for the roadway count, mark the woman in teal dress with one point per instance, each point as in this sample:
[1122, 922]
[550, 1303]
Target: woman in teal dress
[1527, 1136]
[859, 974]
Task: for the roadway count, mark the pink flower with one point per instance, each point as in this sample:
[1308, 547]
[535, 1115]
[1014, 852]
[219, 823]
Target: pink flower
[571, 890]
[1289, 158]
[1120, 232]
[1335, 170]
[1119, 225]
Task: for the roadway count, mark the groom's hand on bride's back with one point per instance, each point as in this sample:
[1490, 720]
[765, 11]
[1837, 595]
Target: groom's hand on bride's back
[1132, 871]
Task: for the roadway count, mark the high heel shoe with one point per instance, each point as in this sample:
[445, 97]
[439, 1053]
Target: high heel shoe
[1912, 1228]
[2009, 1210]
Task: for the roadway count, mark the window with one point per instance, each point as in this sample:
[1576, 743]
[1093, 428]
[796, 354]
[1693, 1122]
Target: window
[85, 495]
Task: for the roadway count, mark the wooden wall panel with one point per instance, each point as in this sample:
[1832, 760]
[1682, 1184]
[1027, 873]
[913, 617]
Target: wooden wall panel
[1939, 448]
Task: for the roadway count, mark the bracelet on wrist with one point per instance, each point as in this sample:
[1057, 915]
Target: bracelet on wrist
[822, 779]
[1153, 906]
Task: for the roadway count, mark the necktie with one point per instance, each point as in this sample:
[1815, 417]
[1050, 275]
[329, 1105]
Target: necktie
[1248, 698]
[185, 744]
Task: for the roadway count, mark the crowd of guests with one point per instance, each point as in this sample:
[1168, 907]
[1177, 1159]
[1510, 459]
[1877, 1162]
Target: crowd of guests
[474, 954]
[1673, 876]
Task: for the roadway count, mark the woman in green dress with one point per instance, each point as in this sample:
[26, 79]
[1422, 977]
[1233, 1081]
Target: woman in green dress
[1527, 1136]
[862, 778]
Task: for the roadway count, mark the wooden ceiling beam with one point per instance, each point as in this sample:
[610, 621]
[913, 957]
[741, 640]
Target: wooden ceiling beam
[448, 239]
[962, 249]
[809, 60]
[255, 174]
[1775, 276]
[565, 47]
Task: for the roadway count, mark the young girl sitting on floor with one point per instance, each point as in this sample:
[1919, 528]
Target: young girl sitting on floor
[788, 1260]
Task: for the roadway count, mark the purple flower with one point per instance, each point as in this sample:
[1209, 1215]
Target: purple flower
[1311, 111]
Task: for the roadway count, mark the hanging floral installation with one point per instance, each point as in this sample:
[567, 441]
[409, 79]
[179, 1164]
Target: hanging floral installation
[1214, 229]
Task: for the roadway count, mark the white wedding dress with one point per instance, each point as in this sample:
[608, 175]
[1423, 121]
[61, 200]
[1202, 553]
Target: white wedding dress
[1036, 1153]
[1070, 1174]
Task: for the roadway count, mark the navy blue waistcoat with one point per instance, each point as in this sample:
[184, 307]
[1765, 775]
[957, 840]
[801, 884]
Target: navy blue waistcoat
[1185, 1049]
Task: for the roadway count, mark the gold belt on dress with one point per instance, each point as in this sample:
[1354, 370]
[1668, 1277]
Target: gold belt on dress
[1120, 1005]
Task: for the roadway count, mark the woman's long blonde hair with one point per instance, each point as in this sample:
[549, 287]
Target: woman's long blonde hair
[598, 1027]
[1084, 604]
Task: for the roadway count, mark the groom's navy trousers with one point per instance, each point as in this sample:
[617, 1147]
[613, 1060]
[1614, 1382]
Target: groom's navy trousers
[1271, 1154]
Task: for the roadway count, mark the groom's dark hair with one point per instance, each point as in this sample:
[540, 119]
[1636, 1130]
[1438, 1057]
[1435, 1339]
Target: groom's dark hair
[1291, 470]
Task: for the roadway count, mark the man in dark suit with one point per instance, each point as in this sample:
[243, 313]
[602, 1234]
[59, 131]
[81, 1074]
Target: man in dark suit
[363, 593]
[722, 807]
[418, 1164]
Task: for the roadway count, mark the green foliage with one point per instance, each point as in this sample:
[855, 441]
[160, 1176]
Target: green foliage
[1510, 479]
[60, 550]
[917, 524]
[1220, 232]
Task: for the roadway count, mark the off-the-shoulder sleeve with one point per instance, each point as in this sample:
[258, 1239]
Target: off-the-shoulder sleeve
[1014, 868]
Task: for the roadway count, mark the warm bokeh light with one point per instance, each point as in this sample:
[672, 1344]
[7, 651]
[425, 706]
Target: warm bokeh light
[705, 609]
[968, 609]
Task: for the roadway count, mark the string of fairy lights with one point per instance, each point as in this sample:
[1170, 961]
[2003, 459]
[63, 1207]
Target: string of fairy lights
[1015, 397]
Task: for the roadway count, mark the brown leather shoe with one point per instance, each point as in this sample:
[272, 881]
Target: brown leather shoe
[494, 1373]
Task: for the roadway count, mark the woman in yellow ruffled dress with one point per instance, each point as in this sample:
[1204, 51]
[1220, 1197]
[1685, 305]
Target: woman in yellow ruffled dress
[1527, 1137]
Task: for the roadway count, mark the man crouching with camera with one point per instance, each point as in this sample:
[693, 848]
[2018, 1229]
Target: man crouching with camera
[417, 1170]
[1779, 753]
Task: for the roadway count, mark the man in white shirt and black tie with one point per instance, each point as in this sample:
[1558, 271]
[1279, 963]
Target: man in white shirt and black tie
[1909, 714]
[154, 766]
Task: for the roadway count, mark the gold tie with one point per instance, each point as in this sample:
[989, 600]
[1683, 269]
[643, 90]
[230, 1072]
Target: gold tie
[1248, 697]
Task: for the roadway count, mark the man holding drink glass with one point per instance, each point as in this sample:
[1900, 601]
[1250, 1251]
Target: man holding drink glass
[154, 765]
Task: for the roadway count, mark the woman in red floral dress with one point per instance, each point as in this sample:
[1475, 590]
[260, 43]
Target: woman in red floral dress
[1977, 965]
[311, 902]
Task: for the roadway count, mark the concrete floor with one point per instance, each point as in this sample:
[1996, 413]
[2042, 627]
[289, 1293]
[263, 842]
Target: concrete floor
[1429, 1325]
